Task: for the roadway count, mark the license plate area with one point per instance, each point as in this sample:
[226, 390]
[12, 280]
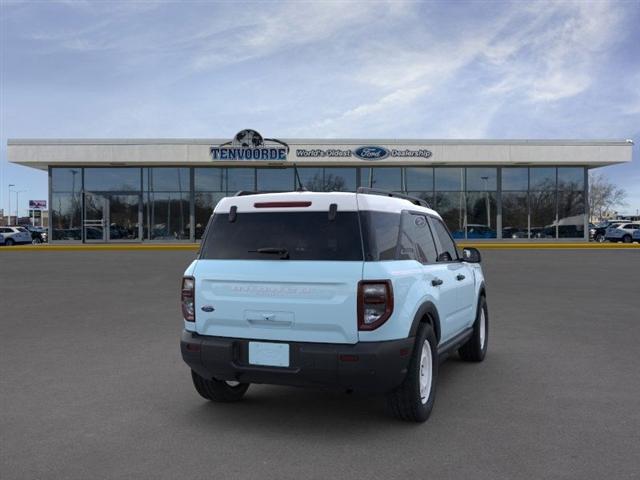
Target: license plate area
[269, 354]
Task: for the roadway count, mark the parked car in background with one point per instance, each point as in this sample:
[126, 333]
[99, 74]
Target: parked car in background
[15, 235]
[636, 236]
[599, 231]
[475, 231]
[38, 234]
[514, 232]
[622, 233]
[1, 239]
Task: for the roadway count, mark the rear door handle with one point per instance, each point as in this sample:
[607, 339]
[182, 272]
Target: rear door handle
[460, 277]
[436, 281]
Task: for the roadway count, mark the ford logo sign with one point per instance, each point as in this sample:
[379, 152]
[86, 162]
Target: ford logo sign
[371, 153]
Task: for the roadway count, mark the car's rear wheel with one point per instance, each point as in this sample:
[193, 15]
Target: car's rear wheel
[413, 399]
[626, 239]
[475, 349]
[9, 242]
[218, 390]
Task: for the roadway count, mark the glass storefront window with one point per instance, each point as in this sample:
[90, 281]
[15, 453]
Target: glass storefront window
[205, 202]
[482, 179]
[419, 179]
[66, 179]
[209, 179]
[571, 178]
[340, 179]
[241, 179]
[167, 216]
[275, 179]
[481, 215]
[515, 179]
[451, 207]
[449, 179]
[542, 178]
[515, 215]
[312, 178]
[384, 178]
[66, 217]
[571, 211]
[112, 179]
[543, 214]
[166, 179]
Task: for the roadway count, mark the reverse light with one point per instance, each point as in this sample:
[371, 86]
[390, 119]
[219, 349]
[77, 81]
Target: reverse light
[375, 303]
[187, 299]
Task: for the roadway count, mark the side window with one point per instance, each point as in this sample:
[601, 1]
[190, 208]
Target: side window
[409, 247]
[446, 247]
[415, 240]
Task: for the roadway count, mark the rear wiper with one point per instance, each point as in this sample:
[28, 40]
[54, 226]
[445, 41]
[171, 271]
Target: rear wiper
[283, 252]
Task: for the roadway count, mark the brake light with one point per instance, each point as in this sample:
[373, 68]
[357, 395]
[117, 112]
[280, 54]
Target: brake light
[375, 303]
[187, 299]
[281, 204]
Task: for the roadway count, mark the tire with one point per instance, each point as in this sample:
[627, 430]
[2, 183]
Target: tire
[218, 390]
[408, 401]
[9, 242]
[599, 238]
[476, 347]
[36, 241]
[626, 239]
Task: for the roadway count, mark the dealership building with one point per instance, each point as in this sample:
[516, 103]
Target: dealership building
[133, 190]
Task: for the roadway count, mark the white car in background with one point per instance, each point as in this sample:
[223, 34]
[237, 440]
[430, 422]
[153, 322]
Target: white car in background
[15, 235]
[622, 233]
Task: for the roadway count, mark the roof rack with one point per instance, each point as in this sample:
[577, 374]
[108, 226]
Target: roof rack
[386, 193]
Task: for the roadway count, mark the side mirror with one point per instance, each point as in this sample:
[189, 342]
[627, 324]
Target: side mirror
[471, 255]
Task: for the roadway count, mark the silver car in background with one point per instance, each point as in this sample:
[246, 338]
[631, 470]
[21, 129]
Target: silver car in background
[15, 235]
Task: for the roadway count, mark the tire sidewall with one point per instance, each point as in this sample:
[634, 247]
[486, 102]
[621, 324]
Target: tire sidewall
[482, 307]
[425, 333]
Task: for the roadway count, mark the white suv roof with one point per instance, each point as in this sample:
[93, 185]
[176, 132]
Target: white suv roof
[319, 201]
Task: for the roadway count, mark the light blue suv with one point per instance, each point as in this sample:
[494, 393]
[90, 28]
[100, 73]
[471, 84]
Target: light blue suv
[360, 291]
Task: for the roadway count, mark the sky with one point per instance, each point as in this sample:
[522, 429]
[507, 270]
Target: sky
[374, 69]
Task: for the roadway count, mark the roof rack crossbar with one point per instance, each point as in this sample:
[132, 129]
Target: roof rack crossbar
[386, 193]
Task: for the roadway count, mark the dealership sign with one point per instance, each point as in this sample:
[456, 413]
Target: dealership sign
[38, 204]
[250, 145]
[365, 152]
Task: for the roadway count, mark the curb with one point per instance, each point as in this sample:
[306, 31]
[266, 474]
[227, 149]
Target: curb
[195, 246]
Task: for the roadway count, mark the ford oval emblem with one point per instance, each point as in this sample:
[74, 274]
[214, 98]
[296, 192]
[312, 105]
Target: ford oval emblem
[371, 153]
[207, 308]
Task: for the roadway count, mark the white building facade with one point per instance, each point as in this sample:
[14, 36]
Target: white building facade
[133, 190]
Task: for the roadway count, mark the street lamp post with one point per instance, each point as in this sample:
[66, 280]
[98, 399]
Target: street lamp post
[9, 214]
[18, 192]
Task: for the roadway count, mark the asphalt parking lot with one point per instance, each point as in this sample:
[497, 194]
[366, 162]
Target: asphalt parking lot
[93, 386]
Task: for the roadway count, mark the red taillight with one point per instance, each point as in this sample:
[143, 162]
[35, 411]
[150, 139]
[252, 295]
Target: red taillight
[375, 303]
[187, 299]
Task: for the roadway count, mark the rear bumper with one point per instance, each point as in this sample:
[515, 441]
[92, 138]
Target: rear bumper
[365, 366]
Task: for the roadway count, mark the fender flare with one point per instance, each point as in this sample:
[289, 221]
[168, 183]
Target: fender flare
[427, 308]
[482, 291]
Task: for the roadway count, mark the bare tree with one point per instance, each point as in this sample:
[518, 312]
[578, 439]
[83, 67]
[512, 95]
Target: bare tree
[604, 196]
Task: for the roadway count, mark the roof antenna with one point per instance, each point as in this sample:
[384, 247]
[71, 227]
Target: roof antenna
[300, 187]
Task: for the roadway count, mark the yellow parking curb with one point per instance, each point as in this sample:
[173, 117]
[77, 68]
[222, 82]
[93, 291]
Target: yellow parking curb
[195, 246]
[137, 246]
[551, 246]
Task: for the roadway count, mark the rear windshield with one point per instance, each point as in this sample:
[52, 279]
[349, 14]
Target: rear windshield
[278, 235]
